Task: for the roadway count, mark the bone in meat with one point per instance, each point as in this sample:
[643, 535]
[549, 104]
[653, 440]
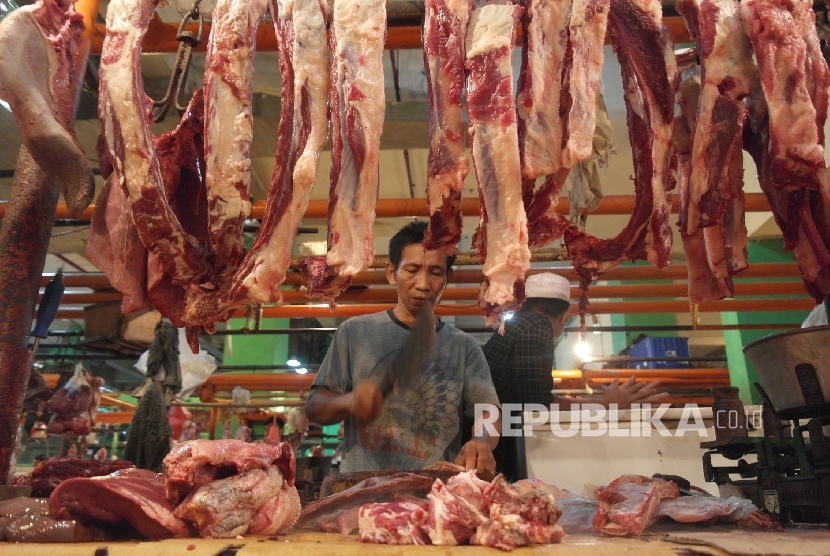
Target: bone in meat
[229, 74]
[501, 238]
[649, 82]
[125, 124]
[445, 30]
[358, 107]
[37, 79]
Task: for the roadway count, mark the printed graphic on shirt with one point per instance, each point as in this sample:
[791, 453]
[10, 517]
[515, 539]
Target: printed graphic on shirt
[418, 423]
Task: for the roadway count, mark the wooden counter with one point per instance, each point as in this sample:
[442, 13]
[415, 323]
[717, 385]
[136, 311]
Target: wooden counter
[792, 542]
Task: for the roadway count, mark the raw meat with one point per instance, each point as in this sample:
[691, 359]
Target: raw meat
[800, 214]
[507, 531]
[586, 40]
[576, 513]
[229, 74]
[224, 508]
[445, 30]
[342, 521]
[649, 71]
[195, 463]
[501, 238]
[114, 247]
[693, 509]
[629, 504]
[24, 506]
[278, 514]
[371, 490]
[182, 163]
[38, 529]
[389, 523]
[358, 108]
[777, 30]
[50, 473]
[726, 73]
[447, 519]
[301, 26]
[125, 125]
[39, 50]
[468, 486]
[132, 496]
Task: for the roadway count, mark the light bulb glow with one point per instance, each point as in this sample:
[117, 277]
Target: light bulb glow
[302, 371]
[582, 350]
[292, 363]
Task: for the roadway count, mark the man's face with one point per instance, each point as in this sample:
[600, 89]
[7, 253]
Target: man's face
[420, 277]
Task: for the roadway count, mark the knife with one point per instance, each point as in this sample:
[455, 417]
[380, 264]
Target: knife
[416, 349]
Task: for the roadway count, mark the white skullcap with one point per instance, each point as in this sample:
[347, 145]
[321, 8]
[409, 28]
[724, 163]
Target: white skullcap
[548, 285]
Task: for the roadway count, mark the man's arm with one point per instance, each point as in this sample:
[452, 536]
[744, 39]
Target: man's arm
[478, 453]
[326, 408]
[623, 395]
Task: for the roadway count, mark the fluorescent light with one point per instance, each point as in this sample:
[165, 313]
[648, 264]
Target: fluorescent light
[302, 371]
[293, 363]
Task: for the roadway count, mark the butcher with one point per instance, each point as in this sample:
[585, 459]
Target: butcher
[417, 426]
[522, 358]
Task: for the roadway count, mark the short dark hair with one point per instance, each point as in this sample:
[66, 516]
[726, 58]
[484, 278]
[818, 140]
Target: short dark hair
[553, 308]
[409, 234]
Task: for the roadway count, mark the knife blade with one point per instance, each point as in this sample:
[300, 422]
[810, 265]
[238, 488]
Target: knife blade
[416, 349]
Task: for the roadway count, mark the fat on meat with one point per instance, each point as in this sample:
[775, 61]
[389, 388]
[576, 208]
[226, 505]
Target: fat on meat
[195, 463]
[447, 519]
[224, 508]
[390, 523]
[358, 108]
[125, 125]
[777, 30]
[630, 503]
[303, 130]
[726, 74]
[278, 514]
[444, 37]
[229, 74]
[501, 238]
[649, 83]
[39, 73]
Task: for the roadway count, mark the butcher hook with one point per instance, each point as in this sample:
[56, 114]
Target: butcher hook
[188, 40]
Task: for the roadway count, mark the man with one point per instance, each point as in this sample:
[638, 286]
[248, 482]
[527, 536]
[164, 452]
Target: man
[417, 426]
[521, 361]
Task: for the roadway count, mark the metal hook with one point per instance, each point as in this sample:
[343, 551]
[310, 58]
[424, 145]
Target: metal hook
[175, 88]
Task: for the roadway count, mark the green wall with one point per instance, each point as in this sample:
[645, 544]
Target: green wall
[256, 349]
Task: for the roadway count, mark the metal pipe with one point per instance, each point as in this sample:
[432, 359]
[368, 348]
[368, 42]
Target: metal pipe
[405, 207]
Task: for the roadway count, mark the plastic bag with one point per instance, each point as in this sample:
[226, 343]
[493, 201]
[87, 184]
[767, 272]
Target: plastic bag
[241, 396]
[195, 368]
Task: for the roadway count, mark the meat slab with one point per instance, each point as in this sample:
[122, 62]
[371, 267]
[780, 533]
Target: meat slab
[132, 496]
[501, 238]
[649, 82]
[277, 514]
[224, 508]
[358, 108]
[125, 125]
[229, 76]
[195, 463]
[630, 503]
[38, 75]
[445, 31]
[389, 523]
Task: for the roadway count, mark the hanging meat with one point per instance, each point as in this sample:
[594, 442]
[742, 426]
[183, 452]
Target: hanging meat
[444, 36]
[501, 238]
[788, 101]
[649, 71]
[125, 125]
[358, 108]
[711, 183]
[561, 63]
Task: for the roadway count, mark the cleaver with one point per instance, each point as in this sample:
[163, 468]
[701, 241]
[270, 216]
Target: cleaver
[416, 349]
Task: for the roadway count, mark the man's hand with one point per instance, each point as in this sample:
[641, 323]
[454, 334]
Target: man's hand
[479, 456]
[367, 402]
[630, 392]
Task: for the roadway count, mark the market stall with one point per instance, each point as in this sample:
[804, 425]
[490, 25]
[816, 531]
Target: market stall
[308, 276]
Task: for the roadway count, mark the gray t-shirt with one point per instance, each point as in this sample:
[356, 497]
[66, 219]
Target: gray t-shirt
[420, 425]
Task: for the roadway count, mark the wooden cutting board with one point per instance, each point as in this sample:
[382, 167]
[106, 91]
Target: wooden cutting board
[792, 542]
